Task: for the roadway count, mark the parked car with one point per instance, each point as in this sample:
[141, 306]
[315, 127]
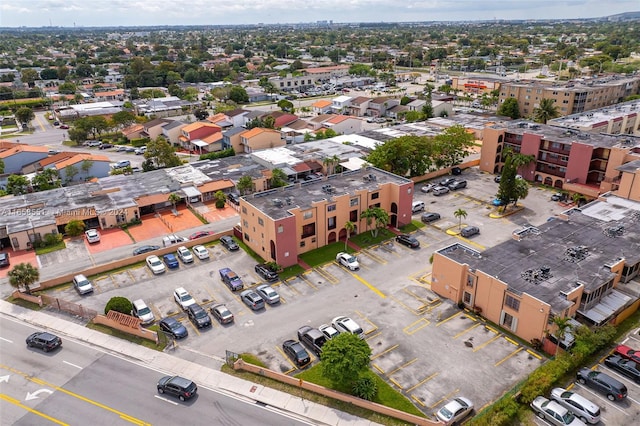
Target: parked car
[417, 206]
[121, 148]
[92, 144]
[347, 325]
[603, 383]
[553, 412]
[429, 217]
[201, 252]
[93, 236]
[43, 340]
[559, 196]
[626, 367]
[498, 202]
[233, 198]
[229, 243]
[268, 294]
[141, 311]
[200, 234]
[456, 171]
[154, 263]
[122, 164]
[82, 284]
[457, 184]
[447, 181]
[408, 240]
[222, 314]
[198, 316]
[171, 261]
[626, 352]
[455, 410]
[105, 146]
[577, 404]
[266, 273]
[140, 151]
[497, 178]
[173, 327]
[313, 338]
[177, 386]
[4, 260]
[469, 231]
[145, 249]
[440, 190]
[183, 298]
[185, 254]
[348, 261]
[64, 126]
[252, 300]
[296, 352]
[329, 331]
[231, 279]
[428, 187]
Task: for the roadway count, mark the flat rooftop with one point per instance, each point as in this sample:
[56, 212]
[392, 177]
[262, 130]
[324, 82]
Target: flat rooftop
[597, 117]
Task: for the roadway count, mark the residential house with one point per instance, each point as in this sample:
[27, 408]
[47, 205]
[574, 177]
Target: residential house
[343, 124]
[201, 136]
[295, 132]
[152, 129]
[259, 138]
[231, 139]
[221, 120]
[358, 106]
[236, 116]
[416, 105]
[322, 106]
[172, 132]
[133, 132]
[110, 95]
[49, 161]
[378, 106]
[20, 155]
[396, 111]
[82, 167]
[340, 104]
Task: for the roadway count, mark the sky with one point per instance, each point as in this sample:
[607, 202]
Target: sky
[100, 13]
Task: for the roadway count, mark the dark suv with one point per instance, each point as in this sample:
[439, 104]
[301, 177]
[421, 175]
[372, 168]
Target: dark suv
[198, 316]
[296, 352]
[43, 340]
[177, 386]
[313, 338]
[607, 385]
[266, 273]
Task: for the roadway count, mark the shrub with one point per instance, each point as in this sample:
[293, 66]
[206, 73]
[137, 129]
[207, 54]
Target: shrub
[139, 142]
[119, 304]
[220, 154]
[365, 387]
[220, 204]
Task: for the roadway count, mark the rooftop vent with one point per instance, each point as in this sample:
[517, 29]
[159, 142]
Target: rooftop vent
[576, 254]
[277, 202]
[289, 200]
[329, 189]
[614, 231]
[536, 275]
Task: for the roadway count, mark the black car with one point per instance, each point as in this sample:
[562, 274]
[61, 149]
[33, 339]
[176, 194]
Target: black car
[233, 198]
[456, 171]
[469, 231]
[624, 366]
[266, 273]
[429, 217]
[497, 179]
[4, 260]
[603, 383]
[296, 352]
[408, 240]
[105, 146]
[145, 249]
[173, 327]
[43, 340]
[177, 386]
[229, 243]
[198, 316]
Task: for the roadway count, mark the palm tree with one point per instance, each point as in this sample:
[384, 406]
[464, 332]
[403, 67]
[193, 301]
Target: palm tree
[349, 227]
[173, 199]
[23, 275]
[245, 184]
[460, 214]
[564, 325]
[546, 111]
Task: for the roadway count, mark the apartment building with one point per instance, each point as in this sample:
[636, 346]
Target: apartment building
[282, 223]
[572, 97]
[617, 119]
[577, 162]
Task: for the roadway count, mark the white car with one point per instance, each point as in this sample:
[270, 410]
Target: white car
[554, 413]
[347, 325]
[455, 410]
[201, 252]
[185, 254]
[93, 236]
[183, 298]
[580, 406]
[328, 331]
[348, 261]
[155, 264]
[268, 294]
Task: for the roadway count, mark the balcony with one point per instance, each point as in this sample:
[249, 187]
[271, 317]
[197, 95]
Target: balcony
[543, 168]
[562, 151]
[555, 161]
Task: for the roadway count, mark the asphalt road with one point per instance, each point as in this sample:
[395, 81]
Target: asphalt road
[78, 384]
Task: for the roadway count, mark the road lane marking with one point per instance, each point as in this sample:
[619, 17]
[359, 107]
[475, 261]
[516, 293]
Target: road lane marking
[31, 410]
[73, 365]
[165, 399]
[6, 340]
[372, 288]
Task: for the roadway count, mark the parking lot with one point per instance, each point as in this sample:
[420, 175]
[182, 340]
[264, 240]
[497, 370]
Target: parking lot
[425, 347]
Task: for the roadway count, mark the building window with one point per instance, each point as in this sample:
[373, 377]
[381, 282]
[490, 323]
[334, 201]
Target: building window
[353, 202]
[308, 214]
[246, 237]
[331, 208]
[353, 216]
[308, 230]
[280, 229]
[508, 321]
[467, 298]
[375, 195]
[260, 221]
[331, 223]
[245, 224]
[244, 210]
[471, 279]
[512, 302]
[302, 243]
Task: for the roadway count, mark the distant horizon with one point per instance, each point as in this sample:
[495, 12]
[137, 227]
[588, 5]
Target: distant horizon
[78, 14]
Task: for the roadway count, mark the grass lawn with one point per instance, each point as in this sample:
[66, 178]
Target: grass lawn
[324, 254]
[49, 249]
[291, 271]
[366, 239]
[413, 226]
[24, 303]
[162, 339]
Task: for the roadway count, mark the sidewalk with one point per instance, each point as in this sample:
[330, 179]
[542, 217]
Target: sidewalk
[205, 377]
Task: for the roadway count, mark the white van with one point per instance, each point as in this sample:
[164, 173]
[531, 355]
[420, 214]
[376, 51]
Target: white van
[142, 311]
[417, 206]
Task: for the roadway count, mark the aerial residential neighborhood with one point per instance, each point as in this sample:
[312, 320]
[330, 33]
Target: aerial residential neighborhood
[368, 221]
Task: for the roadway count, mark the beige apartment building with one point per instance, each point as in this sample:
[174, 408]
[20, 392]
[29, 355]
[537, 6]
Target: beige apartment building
[617, 119]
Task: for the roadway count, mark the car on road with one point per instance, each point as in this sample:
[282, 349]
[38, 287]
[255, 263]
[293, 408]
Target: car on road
[82, 284]
[313, 338]
[64, 126]
[183, 298]
[440, 190]
[408, 240]
[177, 386]
[231, 279]
[428, 187]
[455, 410]
[229, 243]
[268, 294]
[171, 239]
[469, 231]
[93, 236]
[43, 340]
[201, 252]
[185, 254]
[347, 325]
[626, 367]
[222, 313]
[296, 352]
[329, 331]
[200, 234]
[173, 327]
[145, 249]
[347, 260]
[105, 146]
[266, 273]
[580, 406]
[140, 310]
[603, 383]
[553, 412]
[155, 264]
[626, 352]
[252, 300]
[198, 316]
[171, 261]
[92, 144]
[4, 260]
[429, 217]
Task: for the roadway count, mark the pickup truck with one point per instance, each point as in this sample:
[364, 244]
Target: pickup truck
[312, 338]
[231, 279]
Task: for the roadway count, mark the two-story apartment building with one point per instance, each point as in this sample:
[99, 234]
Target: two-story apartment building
[259, 138]
[201, 137]
[81, 167]
[623, 118]
[19, 155]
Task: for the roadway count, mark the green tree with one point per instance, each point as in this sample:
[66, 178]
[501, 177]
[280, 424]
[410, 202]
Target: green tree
[1, 166]
[285, 105]
[349, 227]
[17, 184]
[238, 95]
[345, 358]
[245, 184]
[29, 76]
[278, 178]
[23, 275]
[512, 188]
[74, 228]
[366, 387]
[406, 155]
[46, 179]
[67, 88]
[123, 119]
[24, 115]
[563, 326]
[174, 199]
[546, 111]
[70, 172]
[377, 216]
[509, 108]
[119, 304]
[201, 114]
[451, 146]
[160, 154]
[460, 214]
[221, 199]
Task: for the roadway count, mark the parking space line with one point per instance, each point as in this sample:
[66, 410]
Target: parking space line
[288, 360]
[131, 276]
[374, 336]
[377, 368]
[364, 318]
[413, 311]
[466, 330]
[327, 276]
[372, 288]
[308, 282]
[286, 283]
[395, 383]
[514, 353]
[513, 342]
[493, 339]
[418, 401]
[406, 364]
[194, 328]
[444, 398]
[448, 319]
[532, 353]
[375, 257]
[211, 294]
[422, 382]
[419, 324]
[386, 351]
[155, 310]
